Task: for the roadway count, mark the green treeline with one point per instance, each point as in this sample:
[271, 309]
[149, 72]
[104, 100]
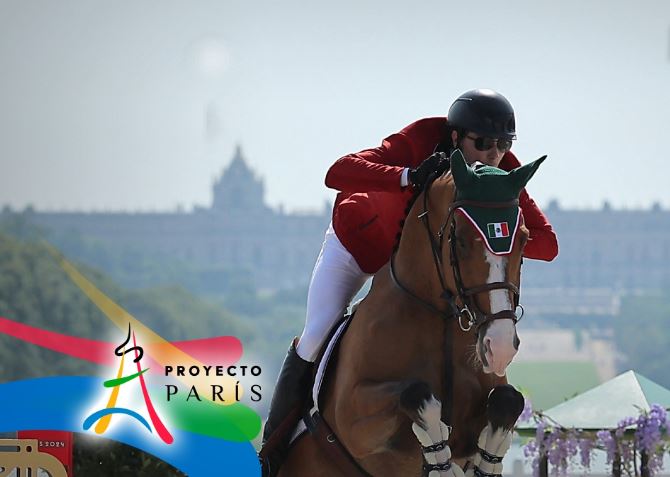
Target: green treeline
[175, 299]
[34, 290]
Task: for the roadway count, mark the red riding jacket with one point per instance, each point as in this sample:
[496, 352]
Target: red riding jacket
[371, 203]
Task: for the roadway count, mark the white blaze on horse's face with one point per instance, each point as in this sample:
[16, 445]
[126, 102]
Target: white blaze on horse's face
[499, 344]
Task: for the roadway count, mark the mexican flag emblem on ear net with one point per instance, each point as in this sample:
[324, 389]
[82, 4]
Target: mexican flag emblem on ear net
[497, 227]
[489, 185]
[499, 230]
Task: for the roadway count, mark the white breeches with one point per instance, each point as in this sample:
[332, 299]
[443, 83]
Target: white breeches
[335, 281]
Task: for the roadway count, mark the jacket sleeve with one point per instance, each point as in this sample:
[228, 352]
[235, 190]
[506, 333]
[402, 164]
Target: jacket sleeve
[372, 170]
[542, 243]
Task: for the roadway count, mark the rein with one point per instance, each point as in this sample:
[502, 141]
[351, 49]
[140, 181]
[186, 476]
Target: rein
[470, 312]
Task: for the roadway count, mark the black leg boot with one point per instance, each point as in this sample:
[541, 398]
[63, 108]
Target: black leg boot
[289, 396]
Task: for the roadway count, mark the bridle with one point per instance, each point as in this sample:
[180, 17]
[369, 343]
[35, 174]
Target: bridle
[469, 316]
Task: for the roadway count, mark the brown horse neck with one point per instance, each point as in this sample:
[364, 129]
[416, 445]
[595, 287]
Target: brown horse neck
[414, 262]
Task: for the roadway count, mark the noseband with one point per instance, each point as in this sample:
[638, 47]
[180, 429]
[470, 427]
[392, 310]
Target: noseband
[470, 315]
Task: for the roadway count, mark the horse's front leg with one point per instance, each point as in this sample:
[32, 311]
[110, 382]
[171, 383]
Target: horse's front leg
[425, 410]
[503, 408]
[379, 410]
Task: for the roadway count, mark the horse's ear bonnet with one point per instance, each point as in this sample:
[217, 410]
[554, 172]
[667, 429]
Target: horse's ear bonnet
[483, 183]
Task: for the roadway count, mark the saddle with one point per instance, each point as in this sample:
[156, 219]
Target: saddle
[326, 357]
[312, 421]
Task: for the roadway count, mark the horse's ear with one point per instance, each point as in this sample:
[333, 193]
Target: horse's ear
[520, 176]
[463, 174]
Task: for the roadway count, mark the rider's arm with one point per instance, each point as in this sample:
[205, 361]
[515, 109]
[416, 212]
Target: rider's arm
[385, 168]
[373, 170]
[542, 243]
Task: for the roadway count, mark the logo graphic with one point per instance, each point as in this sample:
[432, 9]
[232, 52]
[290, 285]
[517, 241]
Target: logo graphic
[210, 426]
[209, 403]
[104, 416]
[498, 230]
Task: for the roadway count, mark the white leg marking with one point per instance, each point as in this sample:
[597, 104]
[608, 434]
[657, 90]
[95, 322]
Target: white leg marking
[495, 443]
[436, 431]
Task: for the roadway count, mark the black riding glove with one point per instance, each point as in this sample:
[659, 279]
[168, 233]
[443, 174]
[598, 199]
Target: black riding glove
[437, 162]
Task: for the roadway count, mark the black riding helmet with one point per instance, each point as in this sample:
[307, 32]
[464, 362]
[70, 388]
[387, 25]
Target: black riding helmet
[484, 112]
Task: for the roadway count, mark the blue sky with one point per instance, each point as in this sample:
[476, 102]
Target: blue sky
[139, 105]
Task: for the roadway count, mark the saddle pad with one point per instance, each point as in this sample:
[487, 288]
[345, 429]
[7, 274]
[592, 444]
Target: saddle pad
[325, 360]
[300, 428]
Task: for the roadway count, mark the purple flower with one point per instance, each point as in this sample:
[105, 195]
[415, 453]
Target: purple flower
[648, 435]
[585, 452]
[527, 412]
[530, 449]
[562, 446]
[607, 442]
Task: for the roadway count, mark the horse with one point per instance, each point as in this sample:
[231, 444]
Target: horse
[417, 386]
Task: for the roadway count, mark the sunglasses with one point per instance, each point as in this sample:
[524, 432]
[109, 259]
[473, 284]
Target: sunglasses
[486, 143]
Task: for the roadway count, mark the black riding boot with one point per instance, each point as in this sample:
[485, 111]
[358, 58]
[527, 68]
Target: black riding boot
[288, 399]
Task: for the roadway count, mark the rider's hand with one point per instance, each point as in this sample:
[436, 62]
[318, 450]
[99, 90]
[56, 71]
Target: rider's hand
[434, 163]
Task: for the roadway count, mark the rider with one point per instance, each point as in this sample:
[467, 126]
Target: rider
[375, 186]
